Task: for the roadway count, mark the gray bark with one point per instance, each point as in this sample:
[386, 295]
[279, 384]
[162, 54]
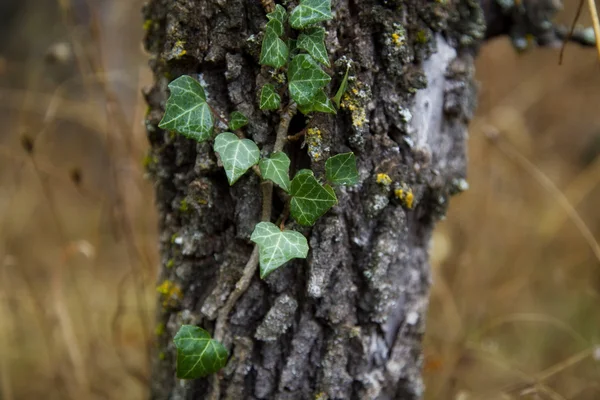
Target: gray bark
[347, 322]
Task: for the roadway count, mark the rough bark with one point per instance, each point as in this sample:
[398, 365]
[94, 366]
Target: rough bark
[347, 322]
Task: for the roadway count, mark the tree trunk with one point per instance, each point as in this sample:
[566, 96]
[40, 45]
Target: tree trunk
[347, 322]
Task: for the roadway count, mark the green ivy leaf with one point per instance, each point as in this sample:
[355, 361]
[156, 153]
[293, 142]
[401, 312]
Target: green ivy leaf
[238, 155]
[313, 41]
[274, 51]
[320, 103]
[342, 89]
[341, 169]
[305, 78]
[292, 44]
[276, 19]
[197, 354]
[310, 12]
[276, 26]
[279, 14]
[276, 168]
[276, 247]
[237, 120]
[310, 199]
[186, 111]
[269, 99]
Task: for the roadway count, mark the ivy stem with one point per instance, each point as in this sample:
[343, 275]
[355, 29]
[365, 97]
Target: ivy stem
[285, 215]
[252, 265]
[219, 117]
[297, 135]
[284, 125]
[267, 197]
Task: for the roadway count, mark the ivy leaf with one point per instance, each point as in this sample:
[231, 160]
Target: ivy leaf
[274, 51]
[310, 12]
[310, 199]
[276, 168]
[320, 103]
[197, 354]
[237, 120]
[313, 41]
[276, 19]
[292, 44]
[238, 155]
[276, 247]
[341, 169]
[269, 99]
[186, 111]
[276, 26]
[305, 78]
[343, 86]
[279, 14]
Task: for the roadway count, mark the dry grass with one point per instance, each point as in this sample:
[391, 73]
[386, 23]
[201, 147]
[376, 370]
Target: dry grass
[514, 306]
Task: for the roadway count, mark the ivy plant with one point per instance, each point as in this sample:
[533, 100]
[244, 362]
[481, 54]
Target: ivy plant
[197, 354]
[295, 48]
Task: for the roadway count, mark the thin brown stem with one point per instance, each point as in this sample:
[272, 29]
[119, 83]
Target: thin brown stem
[252, 265]
[284, 125]
[285, 215]
[293, 138]
[219, 117]
[570, 34]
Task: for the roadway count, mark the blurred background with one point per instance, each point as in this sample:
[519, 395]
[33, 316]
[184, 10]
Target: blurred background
[515, 305]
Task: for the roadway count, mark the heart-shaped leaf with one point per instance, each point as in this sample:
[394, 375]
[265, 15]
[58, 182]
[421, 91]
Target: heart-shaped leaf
[313, 41]
[310, 12]
[279, 14]
[269, 99]
[276, 247]
[238, 155]
[276, 19]
[305, 78]
[341, 169]
[276, 168]
[197, 354]
[274, 51]
[320, 103]
[276, 26]
[310, 199]
[186, 111]
[237, 120]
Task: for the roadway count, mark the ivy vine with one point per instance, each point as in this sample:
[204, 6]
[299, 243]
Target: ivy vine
[300, 55]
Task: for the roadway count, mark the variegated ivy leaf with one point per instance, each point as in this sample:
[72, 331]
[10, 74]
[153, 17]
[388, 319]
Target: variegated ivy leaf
[279, 14]
[292, 44]
[276, 26]
[276, 19]
[310, 12]
[305, 78]
[269, 99]
[320, 103]
[341, 169]
[198, 355]
[237, 120]
[310, 199]
[274, 51]
[186, 111]
[313, 41]
[238, 155]
[276, 168]
[276, 247]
